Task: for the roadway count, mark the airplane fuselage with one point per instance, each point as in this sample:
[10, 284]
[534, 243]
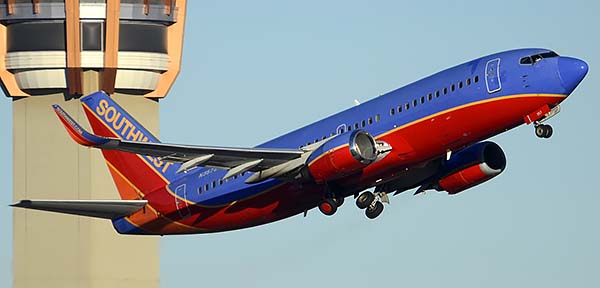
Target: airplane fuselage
[423, 122]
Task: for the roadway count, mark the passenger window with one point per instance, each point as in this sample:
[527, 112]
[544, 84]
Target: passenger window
[468, 81]
[349, 127]
[214, 184]
[377, 118]
[206, 187]
[406, 106]
[437, 94]
[460, 85]
[445, 91]
[399, 108]
[415, 102]
[324, 137]
[392, 111]
[220, 181]
[199, 190]
[476, 79]
[355, 125]
[422, 99]
[429, 97]
[452, 87]
[332, 134]
[370, 120]
[363, 124]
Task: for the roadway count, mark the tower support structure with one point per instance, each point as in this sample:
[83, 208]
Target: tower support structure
[52, 53]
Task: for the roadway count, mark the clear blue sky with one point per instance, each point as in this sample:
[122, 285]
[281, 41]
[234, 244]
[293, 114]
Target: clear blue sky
[255, 69]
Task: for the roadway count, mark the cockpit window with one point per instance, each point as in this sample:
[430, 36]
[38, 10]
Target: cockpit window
[537, 57]
[526, 60]
[549, 55]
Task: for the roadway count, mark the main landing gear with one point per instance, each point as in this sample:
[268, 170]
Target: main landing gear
[330, 205]
[372, 203]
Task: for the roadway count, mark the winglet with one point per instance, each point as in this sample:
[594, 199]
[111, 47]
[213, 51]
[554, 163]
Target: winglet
[76, 132]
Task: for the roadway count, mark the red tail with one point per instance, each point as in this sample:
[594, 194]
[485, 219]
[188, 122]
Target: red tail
[134, 175]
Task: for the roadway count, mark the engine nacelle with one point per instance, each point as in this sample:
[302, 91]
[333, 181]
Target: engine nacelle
[471, 166]
[343, 155]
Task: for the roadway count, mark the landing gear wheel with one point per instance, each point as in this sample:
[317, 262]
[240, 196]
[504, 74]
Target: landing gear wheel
[339, 201]
[365, 199]
[374, 210]
[543, 131]
[549, 131]
[328, 207]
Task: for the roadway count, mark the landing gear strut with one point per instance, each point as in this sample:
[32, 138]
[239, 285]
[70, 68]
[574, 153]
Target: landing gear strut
[371, 203]
[543, 131]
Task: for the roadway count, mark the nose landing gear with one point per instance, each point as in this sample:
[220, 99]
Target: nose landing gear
[543, 131]
[537, 118]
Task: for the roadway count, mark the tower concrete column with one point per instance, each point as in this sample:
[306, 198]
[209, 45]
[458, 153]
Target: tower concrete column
[41, 65]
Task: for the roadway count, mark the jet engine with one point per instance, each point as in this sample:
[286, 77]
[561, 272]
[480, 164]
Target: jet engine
[343, 155]
[470, 167]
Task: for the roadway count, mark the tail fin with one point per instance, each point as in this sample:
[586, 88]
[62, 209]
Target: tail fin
[134, 175]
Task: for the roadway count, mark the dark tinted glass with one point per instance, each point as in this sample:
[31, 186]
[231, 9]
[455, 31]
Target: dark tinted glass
[526, 60]
[91, 36]
[549, 55]
[143, 37]
[35, 36]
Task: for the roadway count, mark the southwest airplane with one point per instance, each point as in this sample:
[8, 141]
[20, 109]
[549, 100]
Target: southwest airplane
[426, 135]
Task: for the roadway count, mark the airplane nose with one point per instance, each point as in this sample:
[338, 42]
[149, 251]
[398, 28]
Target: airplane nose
[571, 71]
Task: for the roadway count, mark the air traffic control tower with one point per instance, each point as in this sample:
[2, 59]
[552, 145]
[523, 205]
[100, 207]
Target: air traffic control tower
[54, 51]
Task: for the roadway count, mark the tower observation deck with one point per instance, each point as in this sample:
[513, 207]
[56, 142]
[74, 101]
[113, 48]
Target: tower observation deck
[52, 52]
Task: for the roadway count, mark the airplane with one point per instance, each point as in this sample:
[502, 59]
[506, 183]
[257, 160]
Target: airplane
[428, 135]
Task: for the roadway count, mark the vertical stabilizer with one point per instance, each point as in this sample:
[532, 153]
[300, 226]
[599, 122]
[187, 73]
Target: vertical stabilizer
[134, 175]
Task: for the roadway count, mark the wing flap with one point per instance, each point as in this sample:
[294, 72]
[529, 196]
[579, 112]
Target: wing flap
[107, 209]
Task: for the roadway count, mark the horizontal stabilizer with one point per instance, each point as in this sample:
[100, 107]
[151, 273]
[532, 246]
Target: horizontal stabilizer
[108, 209]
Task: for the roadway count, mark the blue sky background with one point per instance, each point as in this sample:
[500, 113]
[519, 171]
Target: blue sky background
[253, 70]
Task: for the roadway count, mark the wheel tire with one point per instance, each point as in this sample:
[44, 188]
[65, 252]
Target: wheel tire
[373, 211]
[548, 132]
[365, 199]
[328, 207]
[540, 131]
[339, 201]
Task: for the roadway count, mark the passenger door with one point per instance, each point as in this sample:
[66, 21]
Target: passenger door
[181, 201]
[492, 76]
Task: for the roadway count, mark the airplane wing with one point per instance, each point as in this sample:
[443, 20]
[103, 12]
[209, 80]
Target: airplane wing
[270, 162]
[107, 209]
